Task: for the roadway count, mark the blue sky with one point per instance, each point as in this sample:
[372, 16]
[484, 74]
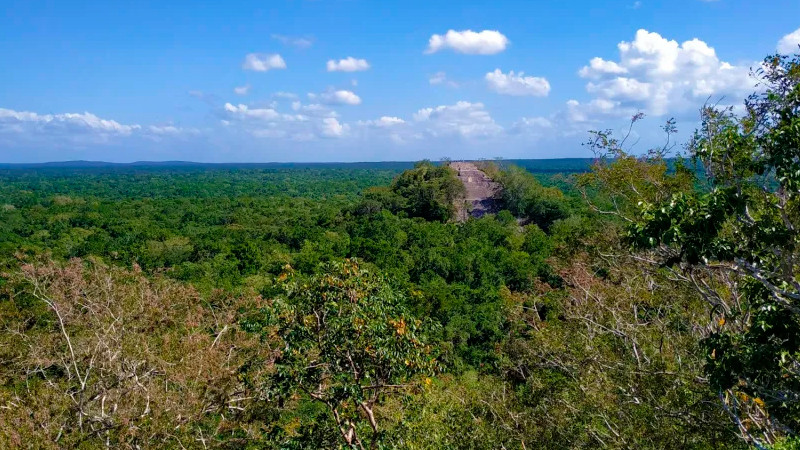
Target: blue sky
[355, 80]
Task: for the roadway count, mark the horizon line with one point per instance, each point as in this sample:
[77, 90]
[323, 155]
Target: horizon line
[84, 161]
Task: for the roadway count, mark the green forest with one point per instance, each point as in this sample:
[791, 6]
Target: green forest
[635, 300]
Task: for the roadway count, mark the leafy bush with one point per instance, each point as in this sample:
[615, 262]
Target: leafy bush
[525, 197]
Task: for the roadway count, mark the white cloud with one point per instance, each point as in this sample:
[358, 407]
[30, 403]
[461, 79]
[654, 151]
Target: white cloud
[65, 122]
[348, 64]
[486, 42]
[294, 41]
[262, 62]
[332, 128]
[628, 88]
[598, 67]
[578, 112]
[306, 123]
[339, 97]
[790, 44]
[390, 121]
[165, 129]
[77, 129]
[464, 118]
[440, 78]
[384, 122]
[242, 90]
[243, 111]
[517, 84]
[660, 77]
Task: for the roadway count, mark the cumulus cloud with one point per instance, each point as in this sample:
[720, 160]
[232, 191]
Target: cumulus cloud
[598, 67]
[486, 42]
[262, 62]
[294, 41]
[466, 125]
[517, 84]
[463, 118]
[57, 130]
[384, 122]
[591, 111]
[268, 123]
[164, 129]
[338, 97]
[790, 44]
[243, 111]
[332, 128]
[242, 90]
[304, 123]
[661, 76]
[348, 64]
[86, 121]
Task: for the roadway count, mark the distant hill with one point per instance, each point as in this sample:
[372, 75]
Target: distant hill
[189, 164]
[564, 165]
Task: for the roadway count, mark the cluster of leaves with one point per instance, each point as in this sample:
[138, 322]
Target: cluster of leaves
[95, 355]
[736, 242]
[429, 191]
[346, 341]
[613, 362]
[525, 197]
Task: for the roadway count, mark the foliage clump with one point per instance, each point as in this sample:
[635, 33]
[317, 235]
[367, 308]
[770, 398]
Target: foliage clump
[736, 243]
[345, 341]
[428, 191]
[525, 197]
[95, 356]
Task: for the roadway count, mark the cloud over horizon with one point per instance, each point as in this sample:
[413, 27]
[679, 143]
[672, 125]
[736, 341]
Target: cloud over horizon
[79, 130]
